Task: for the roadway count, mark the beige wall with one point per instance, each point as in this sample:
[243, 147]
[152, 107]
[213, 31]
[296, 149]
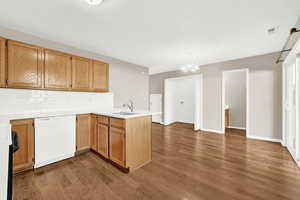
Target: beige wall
[127, 81]
[265, 93]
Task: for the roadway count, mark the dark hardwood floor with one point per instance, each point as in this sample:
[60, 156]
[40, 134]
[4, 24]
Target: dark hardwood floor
[186, 165]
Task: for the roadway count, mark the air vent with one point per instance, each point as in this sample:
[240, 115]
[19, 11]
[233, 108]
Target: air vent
[272, 30]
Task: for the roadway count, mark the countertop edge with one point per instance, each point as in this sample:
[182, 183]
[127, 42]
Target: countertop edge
[7, 117]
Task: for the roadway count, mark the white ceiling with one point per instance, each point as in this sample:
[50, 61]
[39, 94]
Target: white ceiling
[159, 34]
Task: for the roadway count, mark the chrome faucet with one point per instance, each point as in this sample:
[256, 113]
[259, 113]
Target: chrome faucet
[130, 105]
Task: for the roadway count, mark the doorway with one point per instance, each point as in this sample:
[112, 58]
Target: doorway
[235, 102]
[183, 101]
[156, 107]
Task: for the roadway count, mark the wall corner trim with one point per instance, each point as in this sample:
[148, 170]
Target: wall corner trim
[235, 127]
[269, 139]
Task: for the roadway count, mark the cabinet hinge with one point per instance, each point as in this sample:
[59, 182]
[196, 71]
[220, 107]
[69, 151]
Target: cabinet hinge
[33, 160]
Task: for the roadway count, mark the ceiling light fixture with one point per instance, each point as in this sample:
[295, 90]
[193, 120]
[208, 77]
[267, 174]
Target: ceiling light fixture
[189, 68]
[94, 2]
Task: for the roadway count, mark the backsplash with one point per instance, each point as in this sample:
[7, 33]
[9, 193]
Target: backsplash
[20, 101]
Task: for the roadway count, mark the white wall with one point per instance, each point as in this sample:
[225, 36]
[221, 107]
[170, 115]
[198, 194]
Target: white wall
[236, 97]
[22, 101]
[182, 100]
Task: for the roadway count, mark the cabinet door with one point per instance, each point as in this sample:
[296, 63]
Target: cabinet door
[83, 132]
[103, 140]
[94, 133]
[100, 76]
[57, 70]
[23, 158]
[25, 65]
[81, 74]
[2, 62]
[117, 145]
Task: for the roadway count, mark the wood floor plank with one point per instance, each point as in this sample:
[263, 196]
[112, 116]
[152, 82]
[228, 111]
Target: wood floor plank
[186, 164]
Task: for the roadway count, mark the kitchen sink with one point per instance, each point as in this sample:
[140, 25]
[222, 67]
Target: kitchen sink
[125, 113]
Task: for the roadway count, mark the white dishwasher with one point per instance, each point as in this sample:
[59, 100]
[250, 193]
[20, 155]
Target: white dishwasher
[55, 139]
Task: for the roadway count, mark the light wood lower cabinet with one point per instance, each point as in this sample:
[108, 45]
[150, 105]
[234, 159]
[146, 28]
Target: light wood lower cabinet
[103, 132]
[24, 157]
[2, 62]
[94, 133]
[83, 136]
[117, 146]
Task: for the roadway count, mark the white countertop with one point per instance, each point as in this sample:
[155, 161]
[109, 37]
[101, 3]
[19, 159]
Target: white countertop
[116, 115]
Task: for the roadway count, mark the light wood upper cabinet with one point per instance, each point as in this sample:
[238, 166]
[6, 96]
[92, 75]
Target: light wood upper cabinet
[117, 145]
[94, 133]
[103, 132]
[31, 67]
[100, 76]
[57, 70]
[81, 74]
[23, 158]
[83, 141]
[25, 65]
[2, 62]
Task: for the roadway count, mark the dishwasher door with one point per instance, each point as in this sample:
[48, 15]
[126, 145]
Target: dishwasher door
[55, 139]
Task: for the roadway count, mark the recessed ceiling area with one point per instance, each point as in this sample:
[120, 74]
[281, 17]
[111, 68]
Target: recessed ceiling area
[160, 35]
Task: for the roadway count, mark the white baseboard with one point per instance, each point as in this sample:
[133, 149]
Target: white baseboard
[38, 165]
[212, 131]
[236, 127]
[264, 138]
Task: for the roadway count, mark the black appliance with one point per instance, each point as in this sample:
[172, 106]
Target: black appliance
[12, 148]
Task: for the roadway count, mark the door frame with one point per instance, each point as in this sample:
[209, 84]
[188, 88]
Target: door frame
[296, 155]
[198, 114]
[247, 98]
[293, 57]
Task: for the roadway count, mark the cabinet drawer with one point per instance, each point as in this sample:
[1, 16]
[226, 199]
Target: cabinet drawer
[103, 119]
[116, 122]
